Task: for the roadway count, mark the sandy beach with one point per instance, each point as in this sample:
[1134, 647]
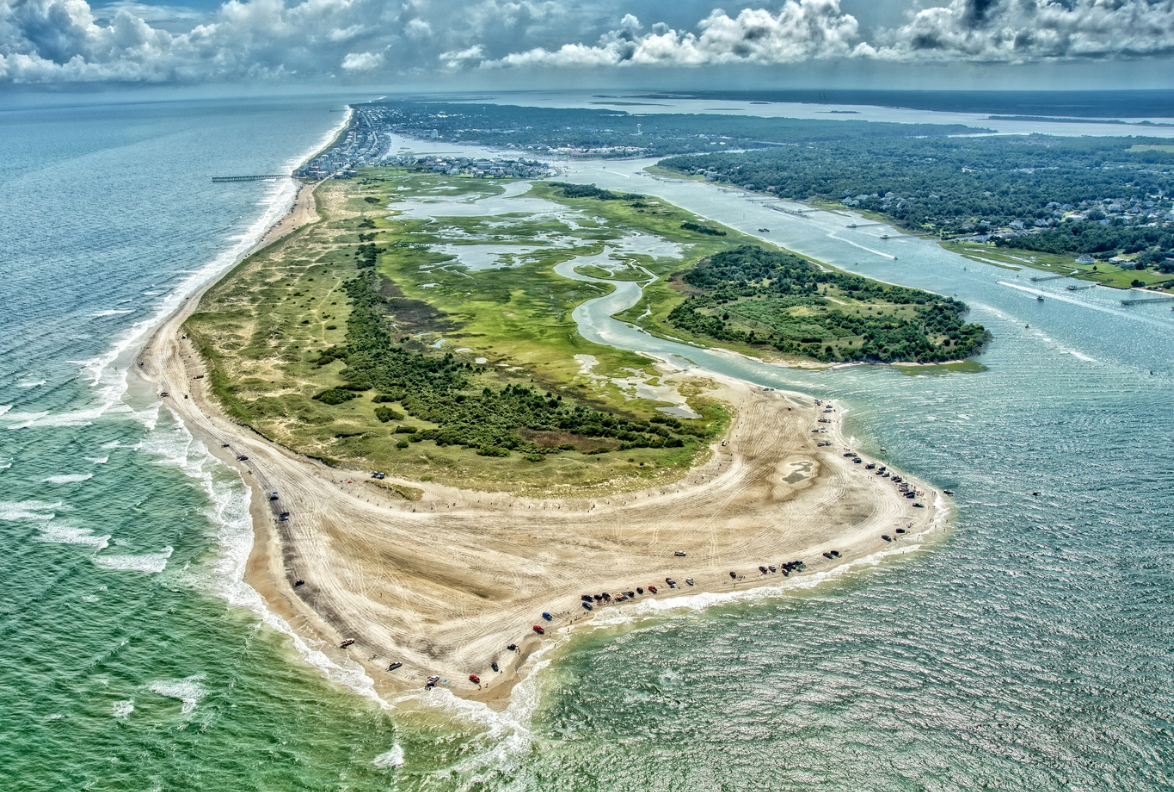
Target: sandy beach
[445, 583]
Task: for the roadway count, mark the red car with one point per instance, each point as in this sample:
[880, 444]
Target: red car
[538, 629]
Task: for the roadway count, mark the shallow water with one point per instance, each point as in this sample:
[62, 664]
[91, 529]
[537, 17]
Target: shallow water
[1027, 648]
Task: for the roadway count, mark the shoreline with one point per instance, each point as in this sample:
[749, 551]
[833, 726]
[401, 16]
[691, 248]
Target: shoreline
[341, 598]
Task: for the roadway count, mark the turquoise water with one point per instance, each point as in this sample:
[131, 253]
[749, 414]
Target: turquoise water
[1028, 648]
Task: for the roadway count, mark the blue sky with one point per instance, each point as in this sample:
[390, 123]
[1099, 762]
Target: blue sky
[545, 43]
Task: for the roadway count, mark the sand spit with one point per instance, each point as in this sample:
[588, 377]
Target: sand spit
[444, 584]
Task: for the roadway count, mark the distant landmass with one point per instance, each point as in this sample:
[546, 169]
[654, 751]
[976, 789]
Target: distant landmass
[1073, 120]
[1075, 104]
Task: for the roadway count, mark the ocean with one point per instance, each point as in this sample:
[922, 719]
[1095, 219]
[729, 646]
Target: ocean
[1026, 646]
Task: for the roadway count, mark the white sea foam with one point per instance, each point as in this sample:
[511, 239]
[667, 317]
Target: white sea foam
[147, 563]
[58, 533]
[20, 420]
[30, 383]
[97, 460]
[111, 444]
[123, 709]
[390, 760]
[188, 690]
[5, 408]
[13, 511]
[112, 312]
[71, 478]
[507, 735]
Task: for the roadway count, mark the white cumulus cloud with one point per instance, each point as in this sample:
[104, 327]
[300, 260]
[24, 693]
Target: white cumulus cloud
[362, 61]
[800, 30]
[1020, 31]
[48, 41]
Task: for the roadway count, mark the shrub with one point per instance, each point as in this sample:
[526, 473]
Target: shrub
[335, 396]
[385, 414]
[534, 457]
[493, 451]
[405, 430]
[402, 444]
[700, 229]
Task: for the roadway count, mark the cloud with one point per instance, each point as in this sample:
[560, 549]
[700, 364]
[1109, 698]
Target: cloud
[362, 61]
[801, 30]
[48, 41]
[1019, 31]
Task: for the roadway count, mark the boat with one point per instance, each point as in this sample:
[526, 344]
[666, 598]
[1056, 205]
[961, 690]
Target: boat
[1071, 288]
[1039, 298]
[948, 492]
[538, 629]
[476, 680]
[394, 666]
[346, 643]
[884, 236]
[547, 616]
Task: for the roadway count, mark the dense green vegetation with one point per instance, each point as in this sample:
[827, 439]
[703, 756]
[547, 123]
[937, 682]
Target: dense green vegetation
[954, 185]
[591, 191]
[442, 390]
[611, 133]
[751, 295]
[1104, 197]
[1152, 246]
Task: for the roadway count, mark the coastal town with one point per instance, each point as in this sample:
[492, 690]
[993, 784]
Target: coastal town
[367, 141]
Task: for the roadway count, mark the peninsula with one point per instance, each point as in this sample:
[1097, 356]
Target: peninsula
[439, 462]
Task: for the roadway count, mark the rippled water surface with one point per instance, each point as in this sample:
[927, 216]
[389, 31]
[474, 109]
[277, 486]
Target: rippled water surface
[1028, 647]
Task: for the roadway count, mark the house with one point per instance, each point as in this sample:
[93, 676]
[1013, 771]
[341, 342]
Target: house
[1085, 259]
